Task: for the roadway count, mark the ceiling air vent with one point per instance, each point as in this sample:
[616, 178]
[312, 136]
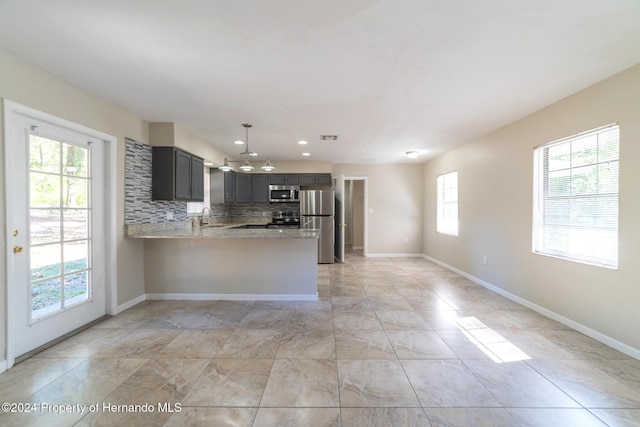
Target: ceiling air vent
[329, 137]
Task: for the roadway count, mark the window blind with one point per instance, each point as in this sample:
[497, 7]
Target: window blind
[576, 197]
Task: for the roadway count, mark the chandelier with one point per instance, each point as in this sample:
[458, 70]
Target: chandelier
[246, 156]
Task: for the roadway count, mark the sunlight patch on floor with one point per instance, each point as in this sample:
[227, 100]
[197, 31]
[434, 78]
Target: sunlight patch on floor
[494, 345]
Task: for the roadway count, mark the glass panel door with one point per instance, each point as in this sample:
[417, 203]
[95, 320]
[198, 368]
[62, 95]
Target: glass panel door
[59, 225]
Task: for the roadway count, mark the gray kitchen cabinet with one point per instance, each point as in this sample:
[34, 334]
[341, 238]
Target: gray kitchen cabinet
[243, 188]
[315, 179]
[323, 179]
[222, 186]
[176, 175]
[276, 179]
[300, 179]
[260, 188]
[292, 179]
[197, 178]
[284, 179]
[252, 188]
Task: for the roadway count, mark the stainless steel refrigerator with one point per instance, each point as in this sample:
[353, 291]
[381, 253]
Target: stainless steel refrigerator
[317, 212]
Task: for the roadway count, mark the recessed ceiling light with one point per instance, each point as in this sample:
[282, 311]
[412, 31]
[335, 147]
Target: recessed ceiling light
[303, 142]
[238, 142]
[412, 154]
[208, 163]
[306, 154]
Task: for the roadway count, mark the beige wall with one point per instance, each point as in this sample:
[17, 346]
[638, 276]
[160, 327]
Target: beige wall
[173, 134]
[495, 212]
[298, 167]
[34, 88]
[395, 194]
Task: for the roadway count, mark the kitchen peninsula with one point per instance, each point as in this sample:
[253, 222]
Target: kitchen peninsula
[225, 262]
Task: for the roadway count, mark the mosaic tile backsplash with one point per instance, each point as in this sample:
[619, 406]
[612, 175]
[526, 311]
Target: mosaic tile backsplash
[138, 206]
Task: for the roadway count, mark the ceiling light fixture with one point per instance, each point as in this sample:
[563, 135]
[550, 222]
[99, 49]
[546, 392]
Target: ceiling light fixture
[246, 167]
[225, 166]
[246, 155]
[306, 154]
[303, 142]
[412, 154]
[267, 166]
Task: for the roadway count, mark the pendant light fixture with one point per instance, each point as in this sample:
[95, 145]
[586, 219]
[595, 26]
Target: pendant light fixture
[267, 166]
[246, 157]
[225, 166]
[246, 154]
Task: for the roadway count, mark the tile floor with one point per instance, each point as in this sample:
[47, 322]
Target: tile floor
[391, 342]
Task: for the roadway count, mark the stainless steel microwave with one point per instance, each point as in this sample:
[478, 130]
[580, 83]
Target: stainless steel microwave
[284, 193]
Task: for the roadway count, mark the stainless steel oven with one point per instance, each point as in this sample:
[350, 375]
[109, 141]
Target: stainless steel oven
[284, 193]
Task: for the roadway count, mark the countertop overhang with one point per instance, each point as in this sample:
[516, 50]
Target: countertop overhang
[223, 232]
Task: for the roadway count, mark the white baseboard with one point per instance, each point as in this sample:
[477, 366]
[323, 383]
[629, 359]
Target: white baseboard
[130, 303]
[605, 339]
[233, 297]
[370, 255]
[3, 366]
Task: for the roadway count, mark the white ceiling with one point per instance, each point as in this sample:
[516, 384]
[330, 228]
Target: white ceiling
[385, 76]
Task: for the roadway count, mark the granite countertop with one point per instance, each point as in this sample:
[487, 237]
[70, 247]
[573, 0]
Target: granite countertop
[186, 231]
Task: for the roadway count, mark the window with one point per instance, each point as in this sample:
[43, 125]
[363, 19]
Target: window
[447, 221]
[576, 197]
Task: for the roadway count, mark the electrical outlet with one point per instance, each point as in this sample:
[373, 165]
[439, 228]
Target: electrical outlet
[485, 259]
[169, 215]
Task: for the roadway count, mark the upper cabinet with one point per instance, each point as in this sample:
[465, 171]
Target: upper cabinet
[177, 175]
[243, 188]
[222, 186]
[252, 188]
[284, 179]
[232, 187]
[260, 188]
[315, 179]
[300, 179]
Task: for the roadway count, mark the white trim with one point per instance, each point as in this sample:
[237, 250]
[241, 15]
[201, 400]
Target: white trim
[110, 224]
[394, 255]
[605, 339]
[233, 297]
[127, 305]
[3, 366]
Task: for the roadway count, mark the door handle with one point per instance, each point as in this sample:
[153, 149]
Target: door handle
[342, 225]
[17, 249]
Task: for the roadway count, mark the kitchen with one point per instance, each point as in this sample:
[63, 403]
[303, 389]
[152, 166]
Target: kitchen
[194, 258]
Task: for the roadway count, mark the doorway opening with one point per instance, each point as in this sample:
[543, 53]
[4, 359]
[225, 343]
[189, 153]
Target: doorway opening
[355, 218]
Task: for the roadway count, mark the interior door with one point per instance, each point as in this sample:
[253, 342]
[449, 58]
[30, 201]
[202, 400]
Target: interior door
[55, 182]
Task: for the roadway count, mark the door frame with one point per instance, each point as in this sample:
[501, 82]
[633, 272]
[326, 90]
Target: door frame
[12, 110]
[339, 186]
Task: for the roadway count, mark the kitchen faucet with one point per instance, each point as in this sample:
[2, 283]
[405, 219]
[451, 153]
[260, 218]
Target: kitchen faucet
[202, 221]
